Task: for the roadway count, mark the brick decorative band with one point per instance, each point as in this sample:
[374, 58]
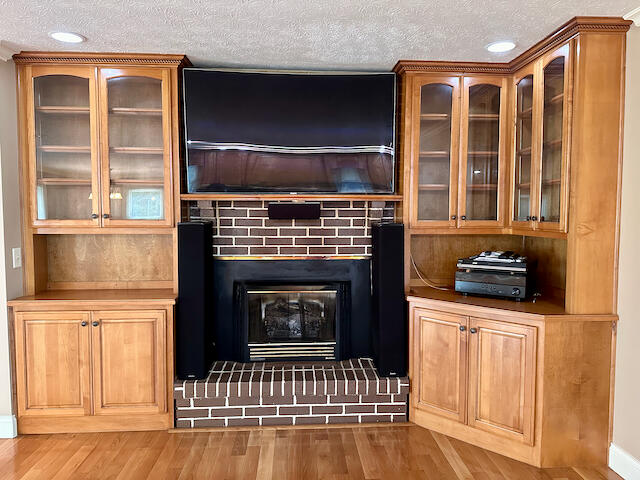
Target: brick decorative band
[245, 394]
[242, 228]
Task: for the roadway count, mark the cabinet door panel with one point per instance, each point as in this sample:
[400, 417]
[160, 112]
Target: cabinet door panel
[129, 362]
[63, 151]
[482, 160]
[441, 360]
[556, 92]
[136, 147]
[435, 151]
[52, 363]
[525, 152]
[502, 378]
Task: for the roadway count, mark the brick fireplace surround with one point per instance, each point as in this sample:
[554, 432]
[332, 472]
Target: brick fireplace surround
[290, 393]
[242, 228]
[301, 393]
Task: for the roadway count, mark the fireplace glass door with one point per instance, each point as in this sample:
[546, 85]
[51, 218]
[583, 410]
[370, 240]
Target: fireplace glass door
[291, 322]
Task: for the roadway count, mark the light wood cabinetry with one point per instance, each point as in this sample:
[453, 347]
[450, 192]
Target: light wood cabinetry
[502, 364]
[94, 361]
[53, 366]
[458, 164]
[129, 362]
[502, 375]
[475, 371]
[99, 145]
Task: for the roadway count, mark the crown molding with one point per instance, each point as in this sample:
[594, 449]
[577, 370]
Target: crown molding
[634, 16]
[141, 59]
[573, 27]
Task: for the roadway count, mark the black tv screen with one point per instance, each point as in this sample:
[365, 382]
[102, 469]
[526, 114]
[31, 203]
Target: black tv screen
[319, 132]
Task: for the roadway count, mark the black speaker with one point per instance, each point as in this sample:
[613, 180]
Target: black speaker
[194, 307]
[389, 326]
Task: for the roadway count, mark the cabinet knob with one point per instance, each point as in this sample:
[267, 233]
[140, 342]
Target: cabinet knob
[462, 328]
[534, 218]
[83, 324]
[95, 324]
[453, 217]
[94, 215]
[463, 217]
[542, 219]
[105, 215]
[473, 330]
[528, 218]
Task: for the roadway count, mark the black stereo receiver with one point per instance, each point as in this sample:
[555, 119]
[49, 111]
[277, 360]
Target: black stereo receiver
[496, 274]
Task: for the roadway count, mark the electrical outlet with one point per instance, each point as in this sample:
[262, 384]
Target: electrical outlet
[16, 254]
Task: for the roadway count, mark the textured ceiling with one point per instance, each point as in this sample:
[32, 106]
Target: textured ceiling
[312, 34]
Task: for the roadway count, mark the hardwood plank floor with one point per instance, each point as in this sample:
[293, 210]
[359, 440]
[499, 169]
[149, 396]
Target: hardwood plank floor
[374, 453]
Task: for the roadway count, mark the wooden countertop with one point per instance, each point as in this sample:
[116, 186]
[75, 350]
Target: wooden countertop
[544, 307]
[159, 296]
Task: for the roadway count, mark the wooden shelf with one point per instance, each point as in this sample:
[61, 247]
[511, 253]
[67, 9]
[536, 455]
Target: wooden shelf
[526, 113]
[289, 196]
[523, 186]
[484, 116]
[553, 181]
[556, 100]
[135, 111]
[138, 150]
[114, 295]
[64, 181]
[488, 153]
[62, 109]
[64, 149]
[430, 187]
[133, 181]
[434, 116]
[434, 153]
[553, 144]
[524, 151]
[483, 186]
[546, 306]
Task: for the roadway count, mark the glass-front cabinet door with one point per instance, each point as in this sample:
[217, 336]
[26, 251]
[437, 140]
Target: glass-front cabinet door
[523, 171]
[482, 170]
[135, 147]
[63, 146]
[435, 151]
[553, 182]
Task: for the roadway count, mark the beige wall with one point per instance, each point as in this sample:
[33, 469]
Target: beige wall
[626, 423]
[10, 278]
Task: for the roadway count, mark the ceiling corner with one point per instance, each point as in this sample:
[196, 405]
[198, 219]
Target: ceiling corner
[634, 16]
[5, 52]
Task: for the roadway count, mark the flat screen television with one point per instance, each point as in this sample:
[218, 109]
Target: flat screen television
[250, 131]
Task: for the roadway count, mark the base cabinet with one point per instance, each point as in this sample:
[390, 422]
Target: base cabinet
[92, 370]
[533, 387]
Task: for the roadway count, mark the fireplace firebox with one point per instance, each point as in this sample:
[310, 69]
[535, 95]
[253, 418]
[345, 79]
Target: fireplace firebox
[291, 321]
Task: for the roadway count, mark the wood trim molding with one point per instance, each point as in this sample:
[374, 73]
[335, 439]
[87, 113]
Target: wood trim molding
[147, 59]
[573, 27]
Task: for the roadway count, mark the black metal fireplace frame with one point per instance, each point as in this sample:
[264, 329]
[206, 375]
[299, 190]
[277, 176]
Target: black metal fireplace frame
[343, 316]
[354, 273]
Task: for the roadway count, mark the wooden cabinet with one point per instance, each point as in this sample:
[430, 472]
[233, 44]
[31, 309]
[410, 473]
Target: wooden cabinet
[440, 385]
[94, 360]
[540, 182]
[53, 367]
[475, 371]
[100, 141]
[521, 379]
[502, 369]
[128, 350]
[458, 142]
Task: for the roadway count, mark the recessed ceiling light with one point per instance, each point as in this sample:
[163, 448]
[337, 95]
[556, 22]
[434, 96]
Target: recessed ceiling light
[67, 37]
[500, 47]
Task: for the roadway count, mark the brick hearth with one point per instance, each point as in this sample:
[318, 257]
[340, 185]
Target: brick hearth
[244, 394]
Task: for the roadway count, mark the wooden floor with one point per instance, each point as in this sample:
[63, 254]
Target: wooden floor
[394, 452]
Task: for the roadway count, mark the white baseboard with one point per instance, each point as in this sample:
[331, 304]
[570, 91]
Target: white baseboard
[8, 426]
[623, 463]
